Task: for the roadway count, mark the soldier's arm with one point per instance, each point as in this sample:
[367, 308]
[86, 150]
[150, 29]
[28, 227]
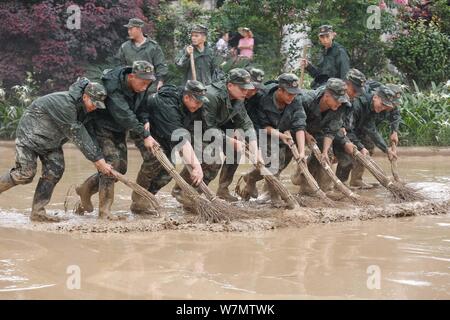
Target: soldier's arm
[332, 123]
[121, 112]
[66, 121]
[159, 62]
[395, 119]
[182, 59]
[344, 63]
[312, 70]
[371, 130]
[245, 123]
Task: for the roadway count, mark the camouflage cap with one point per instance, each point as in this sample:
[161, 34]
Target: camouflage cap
[289, 82]
[256, 76]
[196, 89]
[357, 78]
[325, 29]
[144, 70]
[240, 77]
[387, 96]
[134, 22]
[97, 93]
[398, 90]
[199, 28]
[338, 89]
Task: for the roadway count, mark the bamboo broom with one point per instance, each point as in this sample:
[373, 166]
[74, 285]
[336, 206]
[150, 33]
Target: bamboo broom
[206, 210]
[394, 167]
[400, 192]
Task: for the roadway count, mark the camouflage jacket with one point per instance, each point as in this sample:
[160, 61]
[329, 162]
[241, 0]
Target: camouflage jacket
[52, 120]
[222, 113]
[206, 66]
[333, 63]
[321, 124]
[121, 104]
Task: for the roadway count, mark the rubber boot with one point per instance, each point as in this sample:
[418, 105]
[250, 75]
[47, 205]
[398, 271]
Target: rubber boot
[106, 199]
[42, 196]
[6, 182]
[86, 191]
[225, 180]
[275, 198]
[356, 177]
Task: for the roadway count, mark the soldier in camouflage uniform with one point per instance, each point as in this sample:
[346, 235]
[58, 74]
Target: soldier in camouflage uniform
[342, 146]
[367, 110]
[225, 119]
[123, 85]
[171, 113]
[333, 62]
[47, 124]
[141, 47]
[325, 108]
[251, 105]
[279, 110]
[206, 63]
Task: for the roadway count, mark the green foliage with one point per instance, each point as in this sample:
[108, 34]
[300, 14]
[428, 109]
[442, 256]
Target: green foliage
[350, 21]
[422, 53]
[426, 117]
[13, 106]
[441, 12]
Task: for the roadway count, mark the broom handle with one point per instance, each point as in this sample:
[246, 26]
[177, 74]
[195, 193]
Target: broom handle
[203, 186]
[302, 67]
[193, 71]
[337, 182]
[137, 188]
[303, 168]
[394, 167]
[380, 176]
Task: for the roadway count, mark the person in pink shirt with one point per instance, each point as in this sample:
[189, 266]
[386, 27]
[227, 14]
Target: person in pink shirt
[246, 43]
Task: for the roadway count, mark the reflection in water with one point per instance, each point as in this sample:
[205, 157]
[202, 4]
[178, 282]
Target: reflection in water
[319, 261]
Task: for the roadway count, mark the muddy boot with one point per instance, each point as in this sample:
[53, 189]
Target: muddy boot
[356, 177]
[224, 193]
[42, 195]
[105, 201]
[275, 198]
[6, 182]
[85, 191]
[142, 209]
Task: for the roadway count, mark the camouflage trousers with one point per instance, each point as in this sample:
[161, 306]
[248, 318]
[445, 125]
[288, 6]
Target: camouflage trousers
[114, 149]
[26, 164]
[346, 162]
[317, 171]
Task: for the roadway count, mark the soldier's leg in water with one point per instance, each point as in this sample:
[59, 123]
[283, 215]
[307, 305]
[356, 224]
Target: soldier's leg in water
[345, 163]
[356, 179]
[24, 170]
[114, 148]
[52, 171]
[226, 176]
[285, 157]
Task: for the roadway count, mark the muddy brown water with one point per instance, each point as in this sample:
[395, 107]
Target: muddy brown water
[384, 258]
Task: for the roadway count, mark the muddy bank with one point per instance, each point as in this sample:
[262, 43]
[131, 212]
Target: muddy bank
[268, 219]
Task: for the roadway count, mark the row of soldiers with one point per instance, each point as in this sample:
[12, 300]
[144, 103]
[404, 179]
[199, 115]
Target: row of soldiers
[97, 117]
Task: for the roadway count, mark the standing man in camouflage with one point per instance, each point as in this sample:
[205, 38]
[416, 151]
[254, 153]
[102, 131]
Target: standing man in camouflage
[206, 66]
[333, 62]
[123, 85]
[47, 124]
[172, 113]
[141, 47]
[279, 110]
[324, 108]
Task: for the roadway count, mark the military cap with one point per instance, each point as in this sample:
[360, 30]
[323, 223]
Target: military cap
[240, 77]
[144, 70]
[338, 89]
[357, 78]
[256, 76]
[387, 96]
[199, 28]
[289, 81]
[134, 22]
[398, 90]
[97, 93]
[325, 29]
[197, 90]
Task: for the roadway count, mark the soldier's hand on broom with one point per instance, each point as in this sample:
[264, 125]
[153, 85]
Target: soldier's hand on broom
[365, 152]
[150, 143]
[196, 175]
[392, 155]
[309, 138]
[103, 167]
[348, 147]
[394, 137]
[287, 139]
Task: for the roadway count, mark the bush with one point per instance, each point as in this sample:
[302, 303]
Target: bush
[35, 38]
[422, 53]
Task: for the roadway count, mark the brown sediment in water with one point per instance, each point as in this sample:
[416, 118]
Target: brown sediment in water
[266, 219]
